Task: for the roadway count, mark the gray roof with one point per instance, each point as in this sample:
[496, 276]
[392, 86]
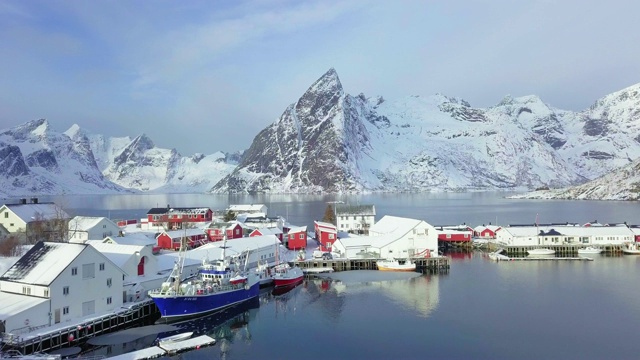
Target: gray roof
[346, 209]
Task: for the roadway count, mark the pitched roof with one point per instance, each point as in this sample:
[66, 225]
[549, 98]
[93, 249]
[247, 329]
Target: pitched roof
[83, 223]
[298, 229]
[250, 207]
[43, 263]
[346, 209]
[42, 211]
[391, 224]
[178, 210]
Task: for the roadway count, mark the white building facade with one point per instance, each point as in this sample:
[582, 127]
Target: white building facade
[83, 228]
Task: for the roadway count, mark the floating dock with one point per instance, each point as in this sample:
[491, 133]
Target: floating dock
[543, 258]
[168, 349]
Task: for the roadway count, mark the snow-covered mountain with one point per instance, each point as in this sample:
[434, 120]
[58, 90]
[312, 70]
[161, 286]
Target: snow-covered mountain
[36, 160]
[136, 163]
[331, 141]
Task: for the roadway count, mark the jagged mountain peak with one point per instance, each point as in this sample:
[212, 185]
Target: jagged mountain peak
[38, 128]
[74, 131]
[142, 142]
[328, 84]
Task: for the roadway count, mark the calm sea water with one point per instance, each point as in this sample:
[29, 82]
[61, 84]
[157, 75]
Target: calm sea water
[478, 310]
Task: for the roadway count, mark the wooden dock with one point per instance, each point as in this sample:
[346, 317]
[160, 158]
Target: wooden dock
[430, 265]
[564, 250]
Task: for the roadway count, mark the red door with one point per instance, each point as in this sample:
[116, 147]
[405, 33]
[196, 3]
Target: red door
[141, 267]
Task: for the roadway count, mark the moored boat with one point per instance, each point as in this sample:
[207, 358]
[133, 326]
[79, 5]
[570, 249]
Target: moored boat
[218, 284]
[541, 252]
[589, 250]
[263, 271]
[396, 265]
[286, 275]
[175, 338]
[631, 249]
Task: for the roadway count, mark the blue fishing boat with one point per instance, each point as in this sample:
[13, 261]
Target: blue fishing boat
[218, 284]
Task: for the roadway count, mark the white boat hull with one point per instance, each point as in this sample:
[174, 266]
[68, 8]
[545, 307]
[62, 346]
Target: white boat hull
[589, 251]
[395, 266]
[541, 252]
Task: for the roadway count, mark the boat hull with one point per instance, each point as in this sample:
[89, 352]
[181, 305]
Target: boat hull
[180, 307]
[288, 281]
[393, 268]
[541, 252]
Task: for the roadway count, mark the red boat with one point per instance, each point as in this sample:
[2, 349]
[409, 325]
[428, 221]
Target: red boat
[285, 275]
[238, 280]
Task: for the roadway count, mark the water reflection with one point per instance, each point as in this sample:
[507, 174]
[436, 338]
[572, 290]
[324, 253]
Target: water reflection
[415, 292]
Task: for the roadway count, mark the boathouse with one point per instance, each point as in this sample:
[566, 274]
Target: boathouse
[297, 238]
[355, 219]
[83, 228]
[559, 235]
[391, 237]
[172, 239]
[58, 282]
[486, 231]
[454, 234]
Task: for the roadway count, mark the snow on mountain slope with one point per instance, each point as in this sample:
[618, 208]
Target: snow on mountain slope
[39, 161]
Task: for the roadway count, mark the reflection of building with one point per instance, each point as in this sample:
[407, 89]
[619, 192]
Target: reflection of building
[420, 293]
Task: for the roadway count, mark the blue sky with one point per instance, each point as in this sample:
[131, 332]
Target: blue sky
[203, 76]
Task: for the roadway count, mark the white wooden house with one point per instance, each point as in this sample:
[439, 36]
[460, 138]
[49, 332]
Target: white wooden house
[25, 217]
[391, 237]
[83, 228]
[58, 282]
[356, 219]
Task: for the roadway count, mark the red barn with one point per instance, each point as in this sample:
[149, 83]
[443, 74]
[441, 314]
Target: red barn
[326, 235]
[172, 239]
[234, 231]
[297, 238]
[175, 217]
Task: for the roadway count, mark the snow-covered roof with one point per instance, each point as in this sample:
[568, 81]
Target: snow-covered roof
[234, 247]
[391, 224]
[269, 231]
[84, 223]
[524, 231]
[326, 225]
[246, 208]
[298, 229]
[11, 304]
[137, 238]
[43, 263]
[178, 210]
[41, 211]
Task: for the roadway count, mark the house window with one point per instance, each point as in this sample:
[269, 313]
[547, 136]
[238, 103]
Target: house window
[104, 226]
[354, 217]
[46, 292]
[65, 310]
[237, 231]
[74, 271]
[448, 236]
[6, 215]
[109, 282]
[65, 290]
[301, 236]
[88, 271]
[26, 290]
[109, 300]
[330, 236]
[101, 266]
[11, 225]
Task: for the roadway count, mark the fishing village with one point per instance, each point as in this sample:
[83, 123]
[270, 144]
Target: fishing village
[74, 279]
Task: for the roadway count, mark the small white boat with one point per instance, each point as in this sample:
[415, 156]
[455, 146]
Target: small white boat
[498, 255]
[589, 250]
[541, 252]
[395, 265]
[175, 338]
[631, 249]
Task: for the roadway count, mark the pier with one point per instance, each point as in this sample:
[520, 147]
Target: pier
[562, 250]
[168, 349]
[424, 265]
[44, 339]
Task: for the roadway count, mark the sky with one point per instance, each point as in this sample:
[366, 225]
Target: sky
[207, 76]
